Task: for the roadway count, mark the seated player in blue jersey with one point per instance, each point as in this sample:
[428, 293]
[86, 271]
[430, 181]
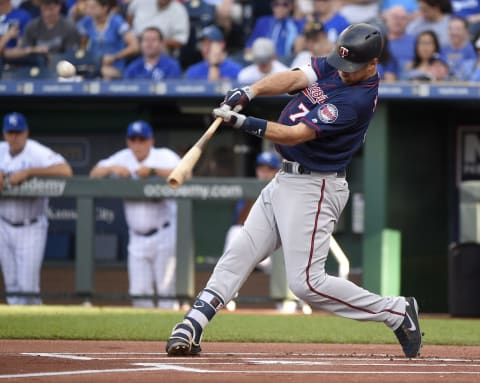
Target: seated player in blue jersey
[215, 64]
[154, 64]
[108, 35]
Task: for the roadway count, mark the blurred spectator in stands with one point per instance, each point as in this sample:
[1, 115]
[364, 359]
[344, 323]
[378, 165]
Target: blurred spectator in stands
[302, 9]
[33, 7]
[107, 35]
[201, 14]
[48, 35]
[402, 44]
[264, 62]
[324, 11]
[459, 54]
[76, 9]
[359, 11]
[12, 25]
[280, 27]
[434, 16]
[152, 223]
[470, 10]
[410, 6]
[154, 64]
[475, 70]
[215, 64]
[170, 16]
[316, 44]
[427, 64]
[387, 64]
[236, 19]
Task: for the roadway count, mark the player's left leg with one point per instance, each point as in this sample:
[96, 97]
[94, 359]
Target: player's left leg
[29, 251]
[257, 239]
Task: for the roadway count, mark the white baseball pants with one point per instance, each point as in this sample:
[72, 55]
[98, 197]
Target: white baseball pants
[151, 265]
[22, 250]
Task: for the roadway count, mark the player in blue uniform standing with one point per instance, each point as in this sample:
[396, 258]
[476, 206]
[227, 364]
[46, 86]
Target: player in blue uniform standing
[317, 134]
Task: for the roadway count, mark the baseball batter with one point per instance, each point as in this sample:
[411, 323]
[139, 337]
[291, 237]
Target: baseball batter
[317, 134]
[152, 224]
[23, 221]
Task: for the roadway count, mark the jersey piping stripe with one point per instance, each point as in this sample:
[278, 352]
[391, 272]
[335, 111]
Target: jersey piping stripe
[312, 246]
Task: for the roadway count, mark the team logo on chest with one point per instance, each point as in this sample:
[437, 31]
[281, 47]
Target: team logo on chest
[327, 113]
[315, 94]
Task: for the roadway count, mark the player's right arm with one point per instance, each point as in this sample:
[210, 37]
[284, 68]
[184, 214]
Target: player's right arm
[279, 83]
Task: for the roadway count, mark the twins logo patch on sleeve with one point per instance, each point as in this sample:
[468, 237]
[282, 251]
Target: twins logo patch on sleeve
[327, 113]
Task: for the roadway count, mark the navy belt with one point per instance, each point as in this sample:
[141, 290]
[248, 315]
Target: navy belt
[22, 223]
[296, 168]
[153, 231]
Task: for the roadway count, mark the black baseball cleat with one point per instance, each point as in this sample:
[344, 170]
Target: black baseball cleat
[409, 334]
[180, 342]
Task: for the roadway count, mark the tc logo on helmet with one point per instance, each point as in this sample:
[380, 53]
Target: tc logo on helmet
[343, 52]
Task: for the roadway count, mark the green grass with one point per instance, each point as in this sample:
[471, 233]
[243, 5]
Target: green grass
[75, 322]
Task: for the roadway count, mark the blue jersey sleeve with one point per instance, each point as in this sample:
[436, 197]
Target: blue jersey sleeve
[120, 25]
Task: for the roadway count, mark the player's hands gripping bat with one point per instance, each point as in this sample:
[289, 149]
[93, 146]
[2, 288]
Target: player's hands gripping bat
[238, 98]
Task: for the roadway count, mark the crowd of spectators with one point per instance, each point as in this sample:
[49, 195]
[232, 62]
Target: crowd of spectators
[425, 40]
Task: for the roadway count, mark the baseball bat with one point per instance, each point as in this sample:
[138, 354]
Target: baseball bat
[185, 167]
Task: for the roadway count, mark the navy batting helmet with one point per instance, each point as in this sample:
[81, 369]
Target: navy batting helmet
[269, 158]
[356, 46]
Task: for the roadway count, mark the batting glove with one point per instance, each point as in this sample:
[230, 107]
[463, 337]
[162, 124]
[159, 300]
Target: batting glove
[252, 125]
[238, 98]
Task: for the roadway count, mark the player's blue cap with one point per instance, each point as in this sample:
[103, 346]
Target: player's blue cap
[212, 33]
[270, 159]
[14, 122]
[140, 129]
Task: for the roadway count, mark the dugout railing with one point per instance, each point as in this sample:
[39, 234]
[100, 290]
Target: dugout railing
[85, 190]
